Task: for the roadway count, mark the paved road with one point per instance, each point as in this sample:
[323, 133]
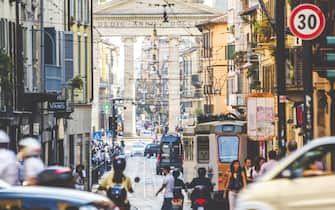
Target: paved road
[144, 197]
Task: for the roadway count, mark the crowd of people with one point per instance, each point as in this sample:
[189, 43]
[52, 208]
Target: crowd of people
[240, 176]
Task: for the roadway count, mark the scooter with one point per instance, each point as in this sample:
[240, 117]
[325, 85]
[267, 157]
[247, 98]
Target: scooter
[118, 194]
[200, 200]
[177, 204]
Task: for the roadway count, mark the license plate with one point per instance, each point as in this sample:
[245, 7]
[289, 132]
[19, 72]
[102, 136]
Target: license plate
[201, 208]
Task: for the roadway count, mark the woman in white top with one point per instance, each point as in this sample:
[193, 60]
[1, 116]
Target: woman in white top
[257, 168]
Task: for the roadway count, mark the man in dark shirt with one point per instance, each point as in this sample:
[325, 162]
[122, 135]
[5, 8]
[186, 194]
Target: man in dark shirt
[203, 182]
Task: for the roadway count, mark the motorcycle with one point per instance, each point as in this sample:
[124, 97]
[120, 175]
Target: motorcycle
[200, 198]
[118, 194]
[177, 204]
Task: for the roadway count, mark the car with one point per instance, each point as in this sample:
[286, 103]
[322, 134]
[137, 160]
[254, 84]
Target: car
[151, 149]
[137, 149]
[33, 197]
[303, 180]
[170, 153]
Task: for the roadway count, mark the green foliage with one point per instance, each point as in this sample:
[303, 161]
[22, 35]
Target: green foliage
[77, 82]
[198, 111]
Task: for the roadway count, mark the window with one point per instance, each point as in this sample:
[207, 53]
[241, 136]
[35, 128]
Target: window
[73, 8]
[203, 149]
[80, 11]
[85, 67]
[79, 54]
[188, 145]
[228, 148]
[165, 154]
[86, 11]
[319, 161]
[229, 52]
[268, 78]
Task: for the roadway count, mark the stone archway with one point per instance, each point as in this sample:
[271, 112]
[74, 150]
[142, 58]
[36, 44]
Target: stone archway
[134, 18]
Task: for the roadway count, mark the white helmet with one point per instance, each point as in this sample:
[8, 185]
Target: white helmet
[30, 147]
[4, 138]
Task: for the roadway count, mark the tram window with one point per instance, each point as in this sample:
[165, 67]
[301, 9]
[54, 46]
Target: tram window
[228, 148]
[203, 149]
[188, 145]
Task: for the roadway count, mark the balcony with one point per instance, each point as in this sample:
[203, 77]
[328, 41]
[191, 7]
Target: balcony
[237, 100]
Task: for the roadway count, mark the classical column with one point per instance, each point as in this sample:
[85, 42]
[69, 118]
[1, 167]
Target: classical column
[129, 84]
[174, 84]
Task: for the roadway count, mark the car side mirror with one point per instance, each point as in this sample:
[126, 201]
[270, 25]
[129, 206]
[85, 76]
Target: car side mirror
[287, 174]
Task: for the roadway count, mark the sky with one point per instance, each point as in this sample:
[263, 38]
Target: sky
[208, 2]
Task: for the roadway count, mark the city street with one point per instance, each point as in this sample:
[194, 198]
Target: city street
[144, 197]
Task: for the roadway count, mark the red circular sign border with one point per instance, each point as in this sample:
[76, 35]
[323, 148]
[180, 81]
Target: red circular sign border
[318, 11]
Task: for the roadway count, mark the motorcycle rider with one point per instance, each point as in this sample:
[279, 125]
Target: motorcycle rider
[118, 178]
[29, 152]
[8, 161]
[203, 182]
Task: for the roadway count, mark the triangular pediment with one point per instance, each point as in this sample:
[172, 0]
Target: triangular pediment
[154, 7]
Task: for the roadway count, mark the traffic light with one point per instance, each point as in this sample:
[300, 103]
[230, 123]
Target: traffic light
[325, 58]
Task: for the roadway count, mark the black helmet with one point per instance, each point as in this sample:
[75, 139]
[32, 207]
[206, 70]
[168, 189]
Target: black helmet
[202, 172]
[119, 163]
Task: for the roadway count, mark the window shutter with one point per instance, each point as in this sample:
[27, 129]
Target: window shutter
[68, 56]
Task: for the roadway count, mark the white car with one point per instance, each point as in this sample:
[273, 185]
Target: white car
[137, 149]
[304, 180]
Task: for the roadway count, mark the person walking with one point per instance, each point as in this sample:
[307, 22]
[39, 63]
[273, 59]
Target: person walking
[257, 168]
[291, 147]
[248, 169]
[79, 175]
[236, 181]
[270, 163]
[8, 161]
[168, 185]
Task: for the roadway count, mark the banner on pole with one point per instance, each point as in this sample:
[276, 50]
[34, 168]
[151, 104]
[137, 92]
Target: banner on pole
[260, 117]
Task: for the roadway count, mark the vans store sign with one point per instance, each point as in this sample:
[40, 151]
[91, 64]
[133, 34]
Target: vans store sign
[57, 106]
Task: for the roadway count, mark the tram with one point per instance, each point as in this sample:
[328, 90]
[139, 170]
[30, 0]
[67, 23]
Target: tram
[215, 145]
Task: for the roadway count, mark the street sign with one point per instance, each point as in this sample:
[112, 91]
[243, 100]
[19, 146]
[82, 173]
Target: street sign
[57, 106]
[307, 21]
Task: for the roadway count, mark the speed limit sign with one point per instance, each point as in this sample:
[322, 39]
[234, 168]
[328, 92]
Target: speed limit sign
[307, 21]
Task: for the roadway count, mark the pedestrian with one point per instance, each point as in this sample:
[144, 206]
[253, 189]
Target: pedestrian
[179, 185]
[270, 163]
[8, 161]
[236, 181]
[248, 169]
[30, 151]
[291, 147]
[259, 161]
[168, 185]
[79, 175]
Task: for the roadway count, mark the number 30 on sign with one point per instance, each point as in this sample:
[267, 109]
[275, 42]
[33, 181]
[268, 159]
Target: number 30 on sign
[307, 21]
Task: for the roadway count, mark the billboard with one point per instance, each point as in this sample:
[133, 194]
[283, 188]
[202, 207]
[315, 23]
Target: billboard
[260, 117]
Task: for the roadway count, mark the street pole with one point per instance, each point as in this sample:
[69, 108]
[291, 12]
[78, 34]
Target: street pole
[280, 69]
[308, 87]
[114, 126]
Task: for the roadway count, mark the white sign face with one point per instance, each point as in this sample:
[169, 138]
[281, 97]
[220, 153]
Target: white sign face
[307, 21]
[260, 118]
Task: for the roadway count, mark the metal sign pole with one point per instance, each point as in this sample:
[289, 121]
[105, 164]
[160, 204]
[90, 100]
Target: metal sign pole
[281, 80]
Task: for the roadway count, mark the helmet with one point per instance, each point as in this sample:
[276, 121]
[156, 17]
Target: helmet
[30, 147]
[4, 138]
[201, 172]
[119, 163]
